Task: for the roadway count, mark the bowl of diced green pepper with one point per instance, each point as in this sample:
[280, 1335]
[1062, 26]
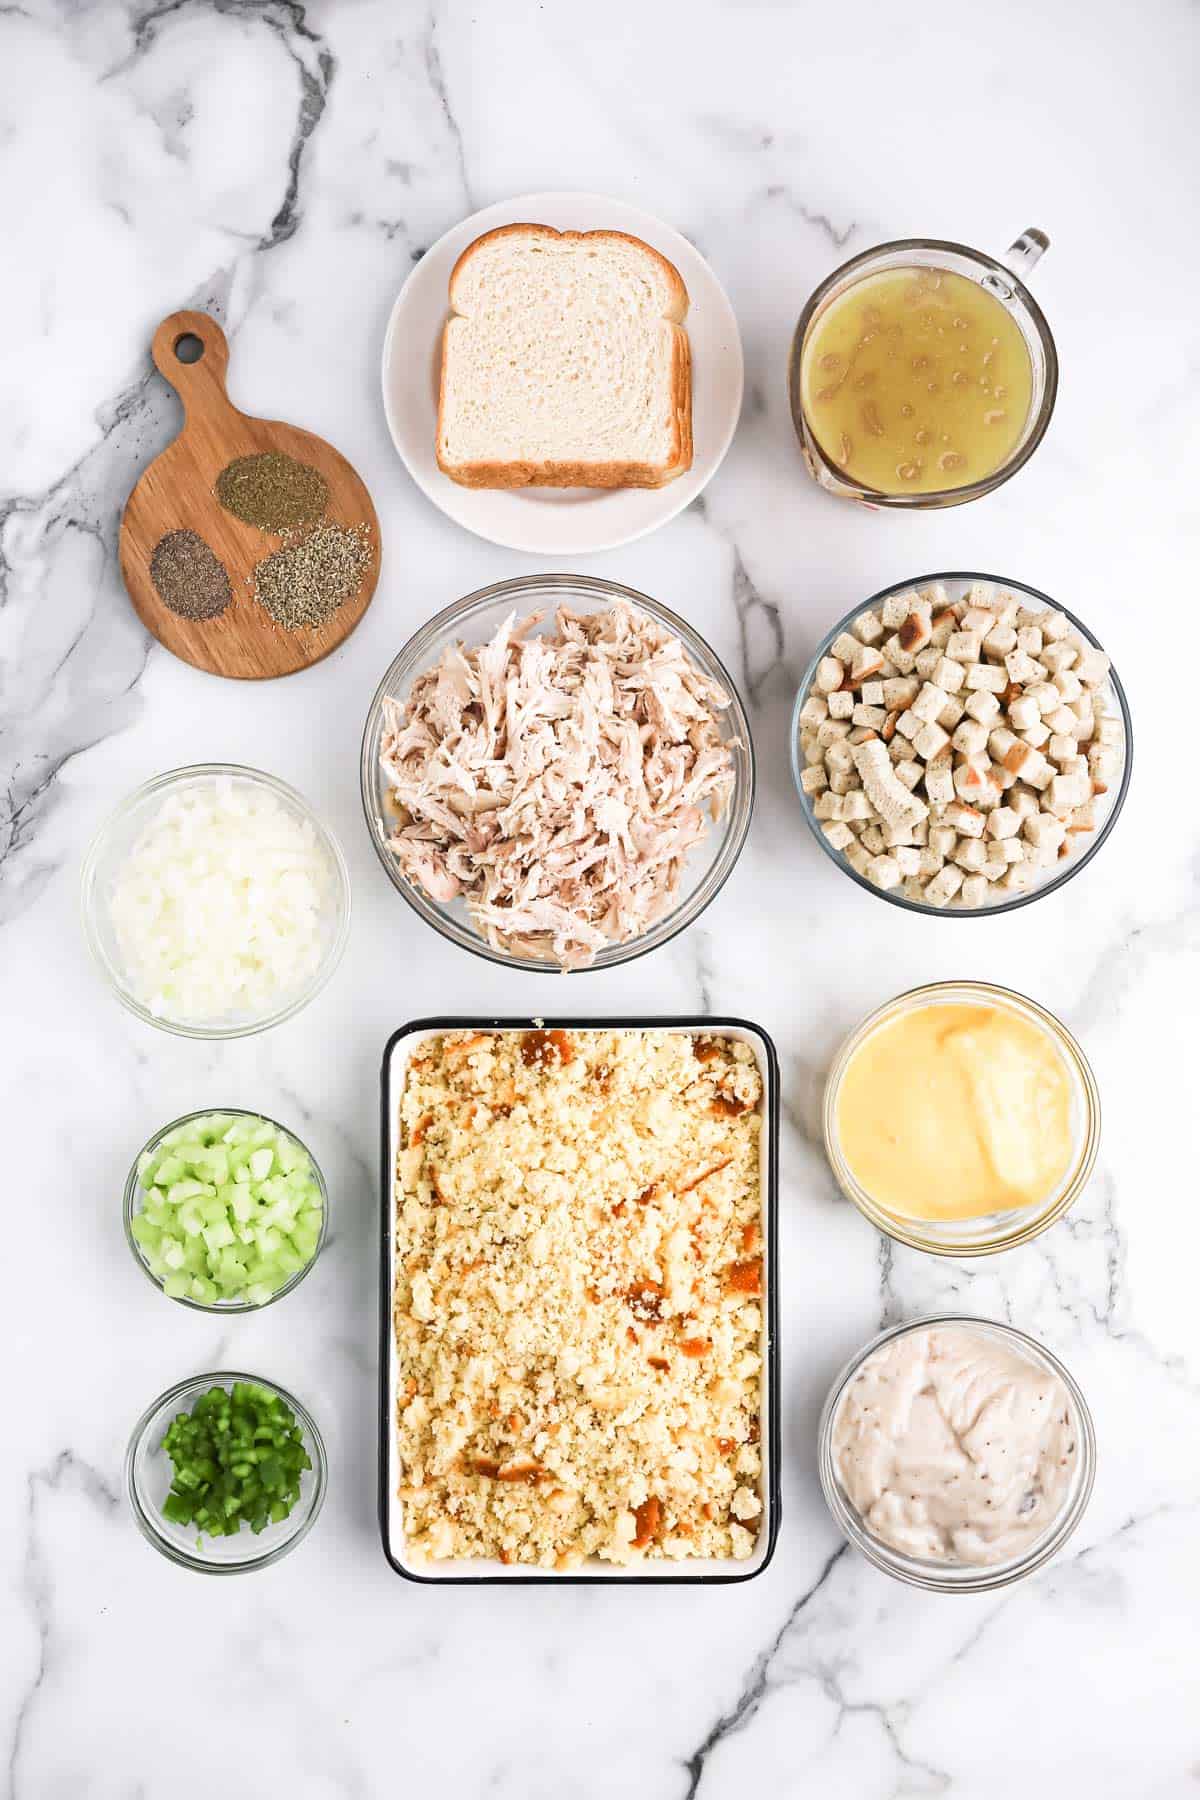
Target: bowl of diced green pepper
[225, 1473]
[225, 1210]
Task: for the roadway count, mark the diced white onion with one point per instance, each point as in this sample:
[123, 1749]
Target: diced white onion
[220, 909]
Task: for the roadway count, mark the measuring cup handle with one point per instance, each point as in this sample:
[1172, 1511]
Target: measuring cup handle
[1029, 248]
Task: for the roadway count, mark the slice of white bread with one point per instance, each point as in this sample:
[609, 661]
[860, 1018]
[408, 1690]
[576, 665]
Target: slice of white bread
[564, 363]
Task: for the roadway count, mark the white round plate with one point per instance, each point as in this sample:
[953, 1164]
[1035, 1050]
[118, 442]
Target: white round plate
[558, 521]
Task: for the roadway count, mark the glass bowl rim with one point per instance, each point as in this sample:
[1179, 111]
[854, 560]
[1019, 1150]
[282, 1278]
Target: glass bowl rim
[88, 900]
[937, 1577]
[313, 1442]
[133, 1187]
[893, 897]
[973, 490]
[741, 806]
[909, 1231]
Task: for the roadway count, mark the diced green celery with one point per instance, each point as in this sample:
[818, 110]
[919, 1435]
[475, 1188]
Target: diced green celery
[261, 1163]
[181, 1191]
[172, 1252]
[218, 1236]
[176, 1286]
[145, 1230]
[169, 1169]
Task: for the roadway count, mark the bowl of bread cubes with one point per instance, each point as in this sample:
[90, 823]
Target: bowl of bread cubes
[961, 744]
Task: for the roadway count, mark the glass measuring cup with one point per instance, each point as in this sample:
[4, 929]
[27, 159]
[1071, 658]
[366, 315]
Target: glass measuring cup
[1001, 279]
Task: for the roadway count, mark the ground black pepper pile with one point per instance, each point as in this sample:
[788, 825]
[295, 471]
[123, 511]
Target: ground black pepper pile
[188, 578]
[305, 583]
[273, 491]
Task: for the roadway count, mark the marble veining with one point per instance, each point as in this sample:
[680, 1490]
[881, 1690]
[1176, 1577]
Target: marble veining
[283, 165]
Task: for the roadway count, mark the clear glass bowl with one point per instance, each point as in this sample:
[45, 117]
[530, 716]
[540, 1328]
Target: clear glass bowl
[135, 1199]
[1053, 878]
[118, 836]
[995, 1231]
[474, 620]
[957, 1578]
[148, 1481]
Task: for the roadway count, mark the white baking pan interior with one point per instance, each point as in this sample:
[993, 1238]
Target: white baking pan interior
[484, 1568]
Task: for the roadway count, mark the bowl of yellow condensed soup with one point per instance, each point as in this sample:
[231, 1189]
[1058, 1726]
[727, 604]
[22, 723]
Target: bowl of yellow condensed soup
[962, 1118]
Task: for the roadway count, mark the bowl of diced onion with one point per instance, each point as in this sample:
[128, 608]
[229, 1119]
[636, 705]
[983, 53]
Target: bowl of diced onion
[225, 1210]
[215, 901]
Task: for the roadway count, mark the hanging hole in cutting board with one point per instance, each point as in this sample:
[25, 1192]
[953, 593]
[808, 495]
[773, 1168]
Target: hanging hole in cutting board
[189, 348]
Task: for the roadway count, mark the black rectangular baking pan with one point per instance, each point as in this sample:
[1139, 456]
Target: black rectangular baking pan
[772, 1472]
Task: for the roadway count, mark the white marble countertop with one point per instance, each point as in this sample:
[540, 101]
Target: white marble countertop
[285, 165]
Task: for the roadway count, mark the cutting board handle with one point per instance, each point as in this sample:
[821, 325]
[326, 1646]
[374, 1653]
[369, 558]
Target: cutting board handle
[191, 352]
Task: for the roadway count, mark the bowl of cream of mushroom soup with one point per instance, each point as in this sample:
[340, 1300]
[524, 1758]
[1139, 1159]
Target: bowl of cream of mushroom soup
[956, 1453]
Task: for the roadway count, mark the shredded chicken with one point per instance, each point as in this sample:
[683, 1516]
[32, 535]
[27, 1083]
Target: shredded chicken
[557, 783]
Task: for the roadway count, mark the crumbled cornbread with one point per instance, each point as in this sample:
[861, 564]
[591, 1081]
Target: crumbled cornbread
[579, 1274]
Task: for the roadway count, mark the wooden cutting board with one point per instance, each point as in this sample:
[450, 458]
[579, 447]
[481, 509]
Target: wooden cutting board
[176, 493]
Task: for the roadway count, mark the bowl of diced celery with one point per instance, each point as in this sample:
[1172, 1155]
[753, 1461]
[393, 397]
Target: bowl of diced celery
[225, 1210]
[225, 1473]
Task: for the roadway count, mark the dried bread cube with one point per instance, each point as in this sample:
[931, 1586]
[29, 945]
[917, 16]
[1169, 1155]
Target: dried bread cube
[944, 886]
[844, 648]
[841, 704]
[970, 738]
[872, 693]
[939, 779]
[814, 710]
[900, 691]
[866, 663]
[968, 821]
[897, 607]
[908, 772]
[929, 702]
[999, 641]
[983, 705]
[927, 661]
[1057, 657]
[908, 725]
[1093, 666]
[829, 675]
[838, 836]
[951, 714]
[948, 674]
[963, 646]
[814, 779]
[989, 676]
[902, 658]
[858, 858]
[907, 859]
[974, 891]
[930, 741]
[971, 854]
[868, 628]
[1003, 822]
[874, 716]
[884, 871]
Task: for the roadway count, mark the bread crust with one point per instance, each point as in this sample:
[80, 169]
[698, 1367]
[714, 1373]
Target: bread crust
[581, 474]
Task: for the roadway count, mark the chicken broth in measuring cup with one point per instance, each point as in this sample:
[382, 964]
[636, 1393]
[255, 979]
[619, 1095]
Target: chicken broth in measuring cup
[915, 381]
